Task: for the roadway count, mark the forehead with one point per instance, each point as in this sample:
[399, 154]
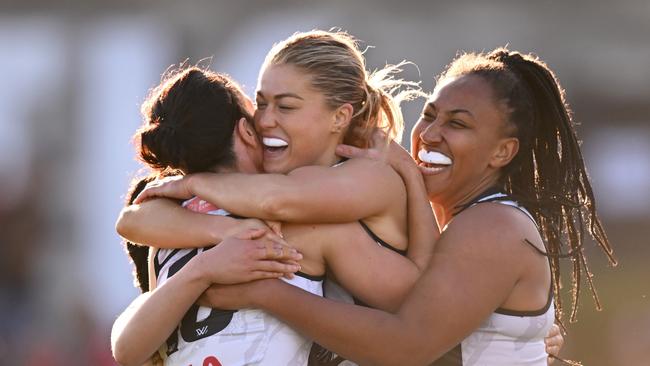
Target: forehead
[468, 92]
[280, 79]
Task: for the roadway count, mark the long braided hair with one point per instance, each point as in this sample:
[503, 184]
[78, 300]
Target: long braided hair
[548, 174]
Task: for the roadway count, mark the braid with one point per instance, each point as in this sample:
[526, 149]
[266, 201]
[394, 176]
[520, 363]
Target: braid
[561, 186]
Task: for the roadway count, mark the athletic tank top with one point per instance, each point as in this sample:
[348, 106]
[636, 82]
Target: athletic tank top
[212, 337]
[506, 337]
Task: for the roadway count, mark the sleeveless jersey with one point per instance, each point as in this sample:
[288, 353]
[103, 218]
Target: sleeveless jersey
[506, 337]
[213, 337]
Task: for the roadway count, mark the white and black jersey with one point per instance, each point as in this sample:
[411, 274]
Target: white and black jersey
[211, 337]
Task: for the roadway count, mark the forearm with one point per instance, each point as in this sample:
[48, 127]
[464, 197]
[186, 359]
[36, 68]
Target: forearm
[356, 190]
[422, 227]
[165, 224]
[248, 195]
[144, 326]
[364, 335]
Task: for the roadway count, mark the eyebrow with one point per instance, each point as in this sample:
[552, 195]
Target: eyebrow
[283, 95]
[453, 111]
[461, 111]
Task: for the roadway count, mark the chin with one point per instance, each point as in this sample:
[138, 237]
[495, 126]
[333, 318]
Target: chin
[275, 167]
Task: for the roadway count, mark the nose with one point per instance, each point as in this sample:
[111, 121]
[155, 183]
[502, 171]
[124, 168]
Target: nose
[264, 118]
[431, 133]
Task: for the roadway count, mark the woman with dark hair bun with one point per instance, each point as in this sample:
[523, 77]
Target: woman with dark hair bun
[498, 152]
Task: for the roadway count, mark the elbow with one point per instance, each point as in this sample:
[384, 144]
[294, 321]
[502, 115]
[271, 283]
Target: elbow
[276, 206]
[123, 354]
[123, 225]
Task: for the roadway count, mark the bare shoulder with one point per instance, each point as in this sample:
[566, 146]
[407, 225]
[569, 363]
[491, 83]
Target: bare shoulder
[351, 166]
[491, 229]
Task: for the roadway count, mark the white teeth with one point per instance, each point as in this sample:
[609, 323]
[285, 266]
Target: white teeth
[433, 157]
[274, 142]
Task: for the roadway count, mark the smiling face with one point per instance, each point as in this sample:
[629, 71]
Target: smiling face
[461, 141]
[295, 125]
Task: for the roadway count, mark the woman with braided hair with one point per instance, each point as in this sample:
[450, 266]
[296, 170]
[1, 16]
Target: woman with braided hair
[499, 155]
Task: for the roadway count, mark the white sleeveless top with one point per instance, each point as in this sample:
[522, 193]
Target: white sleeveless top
[211, 337]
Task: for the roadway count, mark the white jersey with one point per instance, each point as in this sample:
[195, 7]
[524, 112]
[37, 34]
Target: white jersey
[211, 337]
[506, 337]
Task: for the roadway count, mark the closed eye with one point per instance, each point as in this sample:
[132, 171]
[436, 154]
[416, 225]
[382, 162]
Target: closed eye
[428, 117]
[457, 124]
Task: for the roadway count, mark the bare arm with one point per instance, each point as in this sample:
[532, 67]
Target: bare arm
[165, 224]
[357, 189]
[373, 274]
[152, 317]
[423, 231]
[474, 269]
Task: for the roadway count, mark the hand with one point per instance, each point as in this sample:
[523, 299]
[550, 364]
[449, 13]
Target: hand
[247, 257]
[377, 150]
[234, 297]
[380, 149]
[273, 228]
[554, 342]
[171, 187]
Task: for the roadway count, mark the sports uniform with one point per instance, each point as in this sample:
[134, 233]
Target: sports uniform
[211, 337]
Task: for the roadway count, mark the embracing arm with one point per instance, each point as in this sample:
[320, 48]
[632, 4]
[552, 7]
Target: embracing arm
[145, 325]
[356, 189]
[152, 317]
[373, 274]
[422, 226]
[462, 285]
[376, 275]
[423, 231]
[163, 223]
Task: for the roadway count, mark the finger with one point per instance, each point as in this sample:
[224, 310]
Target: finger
[276, 266]
[260, 275]
[276, 227]
[144, 195]
[251, 234]
[292, 262]
[279, 252]
[349, 151]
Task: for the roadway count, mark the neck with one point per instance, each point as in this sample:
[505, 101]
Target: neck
[329, 158]
[445, 209]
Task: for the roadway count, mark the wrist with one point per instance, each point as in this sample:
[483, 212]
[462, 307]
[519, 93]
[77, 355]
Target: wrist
[261, 292]
[195, 272]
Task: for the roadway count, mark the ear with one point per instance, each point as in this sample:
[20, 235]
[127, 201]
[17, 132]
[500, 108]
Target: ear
[342, 117]
[246, 132]
[505, 152]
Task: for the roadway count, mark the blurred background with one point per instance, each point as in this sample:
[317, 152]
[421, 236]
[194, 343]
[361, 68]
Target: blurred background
[74, 74]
